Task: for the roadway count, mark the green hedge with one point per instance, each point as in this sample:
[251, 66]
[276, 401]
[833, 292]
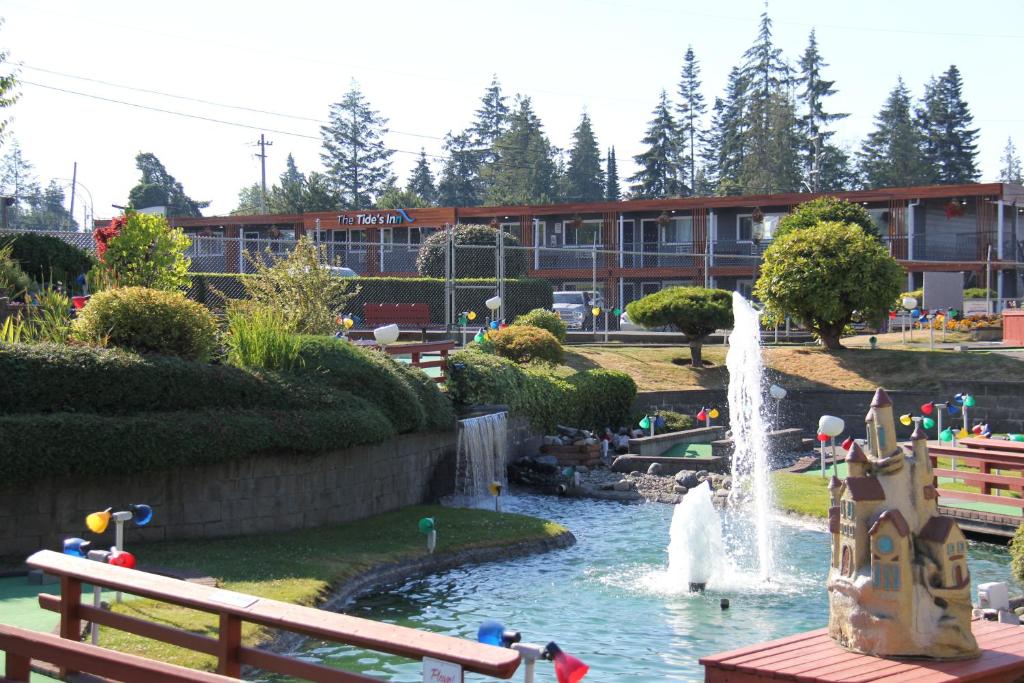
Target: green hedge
[75, 444]
[592, 399]
[522, 295]
[45, 258]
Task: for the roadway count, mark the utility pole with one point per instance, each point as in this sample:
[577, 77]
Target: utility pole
[263, 143]
[74, 180]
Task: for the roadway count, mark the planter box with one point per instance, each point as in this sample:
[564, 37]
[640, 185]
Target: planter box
[574, 455]
[987, 334]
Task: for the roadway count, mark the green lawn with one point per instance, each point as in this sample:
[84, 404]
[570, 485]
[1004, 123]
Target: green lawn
[302, 566]
[801, 493]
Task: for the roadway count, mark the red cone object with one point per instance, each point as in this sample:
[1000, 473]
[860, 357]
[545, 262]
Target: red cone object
[927, 408]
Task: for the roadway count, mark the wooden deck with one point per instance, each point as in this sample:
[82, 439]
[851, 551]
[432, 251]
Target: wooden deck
[814, 657]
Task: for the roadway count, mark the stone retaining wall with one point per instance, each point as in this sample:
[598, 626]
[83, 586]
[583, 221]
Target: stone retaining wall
[256, 495]
[1001, 404]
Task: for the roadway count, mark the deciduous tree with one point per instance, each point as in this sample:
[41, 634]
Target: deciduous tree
[1011, 169]
[157, 187]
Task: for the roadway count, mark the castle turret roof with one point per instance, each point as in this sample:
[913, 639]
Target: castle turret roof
[894, 516]
[865, 488]
[937, 529]
[834, 483]
[881, 399]
[856, 454]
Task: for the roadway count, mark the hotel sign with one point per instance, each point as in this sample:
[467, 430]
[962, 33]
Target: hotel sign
[396, 217]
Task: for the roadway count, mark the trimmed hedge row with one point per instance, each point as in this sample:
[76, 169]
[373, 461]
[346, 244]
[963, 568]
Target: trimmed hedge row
[45, 258]
[75, 444]
[522, 295]
[592, 399]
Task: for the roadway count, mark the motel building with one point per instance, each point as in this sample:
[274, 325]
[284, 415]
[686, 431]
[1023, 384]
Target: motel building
[634, 248]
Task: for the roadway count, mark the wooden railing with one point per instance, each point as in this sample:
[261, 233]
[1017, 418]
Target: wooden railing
[22, 646]
[991, 457]
[234, 609]
[416, 351]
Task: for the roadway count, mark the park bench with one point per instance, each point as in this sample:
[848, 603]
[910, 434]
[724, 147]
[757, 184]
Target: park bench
[234, 609]
[403, 315]
[22, 646]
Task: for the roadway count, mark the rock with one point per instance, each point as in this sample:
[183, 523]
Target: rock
[681, 490]
[687, 479]
[622, 486]
[727, 482]
[702, 473]
[606, 487]
[635, 473]
[571, 432]
[547, 464]
[582, 468]
[579, 442]
[552, 441]
[655, 468]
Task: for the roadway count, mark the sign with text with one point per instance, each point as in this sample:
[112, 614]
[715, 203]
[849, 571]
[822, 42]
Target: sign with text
[379, 219]
[436, 671]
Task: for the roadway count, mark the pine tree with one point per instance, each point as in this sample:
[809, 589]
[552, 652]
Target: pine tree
[1011, 171]
[525, 171]
[689, 114]
[612, 191]
[289, 194]
[17, 180]
[710, 150]
[815, 151]
[585, 179]
[729, 134]
[318, 194]
[658, 176]
[421, 182]
[459, 183]
[492, 121]
[358, 164]
[250, 201]
[891, 154]
[949, 142]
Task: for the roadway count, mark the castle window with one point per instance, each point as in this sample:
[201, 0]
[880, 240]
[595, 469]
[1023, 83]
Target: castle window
[885, 545]
[885, 576]
[950, 548]
[881, 440]
[960, 547]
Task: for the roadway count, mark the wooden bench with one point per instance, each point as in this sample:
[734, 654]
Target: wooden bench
[408, 315]
[21, 646]
[234, 609]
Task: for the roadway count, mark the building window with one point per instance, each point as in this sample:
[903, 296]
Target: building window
[584, 235]
[960, 547]
[745, 226]
[885, 576]
[881, 441]
[678, 231]
[515, 229]
[950, 548]
[885, 545]
[847, 561]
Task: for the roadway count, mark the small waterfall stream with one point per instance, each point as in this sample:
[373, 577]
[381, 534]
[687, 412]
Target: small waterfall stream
[481, 446]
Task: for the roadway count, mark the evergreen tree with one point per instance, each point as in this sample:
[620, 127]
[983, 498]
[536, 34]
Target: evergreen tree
[249, 201]
[459, 183]
[358, 164]
[585, 179]
[46, 210]
[689, 114]
[658, 176]
[815, 151]
[18, 181]
[318, 195]
[728, 140]
[949, 143]
[891, 154]
[710, 150]
[157, 187]
[1011, 171]
[612, 192]
[288, 196]
[492, 118]
[421, 182]
[835, 170]
[525, 170]
[397, 198]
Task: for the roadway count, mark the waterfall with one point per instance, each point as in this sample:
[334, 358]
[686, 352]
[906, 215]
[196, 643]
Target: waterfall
[751, 484]
[696, 553]
[480, 448]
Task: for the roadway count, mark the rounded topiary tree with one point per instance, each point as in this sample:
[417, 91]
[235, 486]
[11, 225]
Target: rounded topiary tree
[694, 311]
[826, 275]
[523, 344]
[475, 258]
[827, 210]
[545, 320]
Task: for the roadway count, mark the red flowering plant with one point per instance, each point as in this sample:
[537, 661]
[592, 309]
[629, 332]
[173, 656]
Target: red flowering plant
[102, 236]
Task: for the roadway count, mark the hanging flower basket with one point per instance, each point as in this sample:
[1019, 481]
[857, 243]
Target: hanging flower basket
[757, 215]
[274, 233]
[954, 209]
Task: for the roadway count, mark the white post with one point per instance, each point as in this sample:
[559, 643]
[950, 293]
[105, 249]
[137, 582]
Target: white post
[822, 458]
[119, 541]
[97, 603]
[606, 326]
[622, 232]
[999, 251]
[931, 333]
[832, 443]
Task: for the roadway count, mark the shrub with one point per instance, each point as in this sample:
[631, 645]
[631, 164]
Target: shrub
[694, 311]
[372, 374]
[48, 259]
[141, 250]
[49, 320]
[677, 422]
[298, 285]
[475, 377]
[436, 404]
[148, 321]
[524, 344]
[12, 277]
[475, 258]
[1017, 554]
[978, 293]
[88, 445]
[259, 338]
[544, 400]
[603, 398]
[544, 319]
[828, 210]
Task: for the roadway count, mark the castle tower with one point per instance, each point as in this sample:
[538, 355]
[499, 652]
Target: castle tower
[856, 461]
[881, 424]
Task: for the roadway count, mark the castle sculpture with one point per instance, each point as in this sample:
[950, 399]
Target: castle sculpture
[898, 584]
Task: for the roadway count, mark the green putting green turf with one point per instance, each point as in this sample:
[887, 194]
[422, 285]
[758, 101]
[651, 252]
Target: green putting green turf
[689, 450]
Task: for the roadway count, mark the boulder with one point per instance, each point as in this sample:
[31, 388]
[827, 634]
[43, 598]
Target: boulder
[623, 485]
[681, 490]
[687, 479]
[655, 468]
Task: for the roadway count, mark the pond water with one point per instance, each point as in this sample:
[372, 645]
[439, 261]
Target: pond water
[610, 600]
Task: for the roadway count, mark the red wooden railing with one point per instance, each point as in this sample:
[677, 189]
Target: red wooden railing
[992, 458]
[233, 610]
[416, 351]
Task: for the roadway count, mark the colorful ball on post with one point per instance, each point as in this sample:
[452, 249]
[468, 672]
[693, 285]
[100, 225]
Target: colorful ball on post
[122, 558]
[702, 415]
[848, 443]
[906, 420]
[969, 401]
[478, 337]
[927, 408]
[946, 434]
[713, 413]
[645, 423]
[98, 521]
[928, 423]
[471, 315]
[1017, 437]
[494, 324]
[426, 525]
[962, 434]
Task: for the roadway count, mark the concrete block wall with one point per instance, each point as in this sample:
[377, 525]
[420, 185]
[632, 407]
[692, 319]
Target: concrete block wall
[257, 495]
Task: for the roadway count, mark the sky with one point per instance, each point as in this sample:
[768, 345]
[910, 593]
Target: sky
[425, 65]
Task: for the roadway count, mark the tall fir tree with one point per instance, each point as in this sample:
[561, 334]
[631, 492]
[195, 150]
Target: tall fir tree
[689, 116]
[770, 162]
[421, 182]
[358, 164]
[17, 180]
[710, 150]
[1011, 171]
[525, 171]
[612, 191]
[891, 154]
[318, 195]
[728, 143]
[944, 119]
[491, 122]
[585, 179]
[816, 152]
[658, 176]
[288, 196]
[459, 182]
